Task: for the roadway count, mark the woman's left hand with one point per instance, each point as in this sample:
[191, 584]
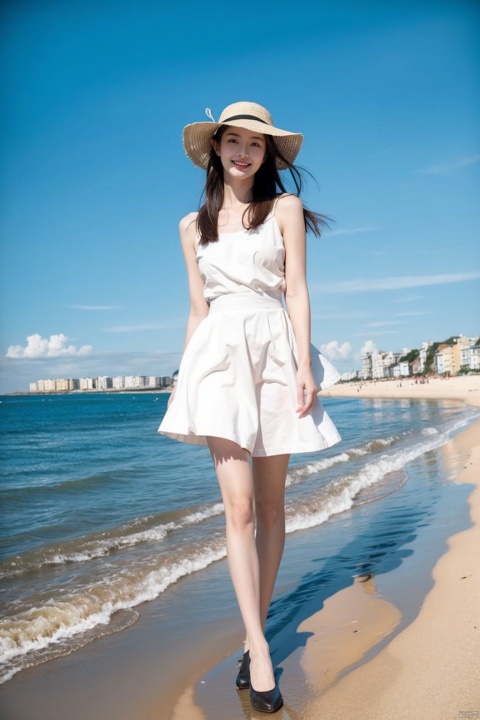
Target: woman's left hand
[307, 391]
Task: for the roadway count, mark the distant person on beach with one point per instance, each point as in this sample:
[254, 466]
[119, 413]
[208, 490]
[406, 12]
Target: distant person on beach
[248, 381]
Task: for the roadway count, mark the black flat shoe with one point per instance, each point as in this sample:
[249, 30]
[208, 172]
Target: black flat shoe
[243, 678]
[268, 702]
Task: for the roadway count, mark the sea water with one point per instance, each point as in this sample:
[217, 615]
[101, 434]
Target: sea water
[101, 513]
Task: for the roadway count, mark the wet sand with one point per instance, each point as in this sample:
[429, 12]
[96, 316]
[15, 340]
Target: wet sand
[340, 634]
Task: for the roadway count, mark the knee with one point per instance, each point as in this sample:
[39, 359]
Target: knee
[270, 513]
[240, 513]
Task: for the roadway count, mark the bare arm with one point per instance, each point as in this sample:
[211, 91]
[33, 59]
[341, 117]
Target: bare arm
[198, 305]
[289, 214]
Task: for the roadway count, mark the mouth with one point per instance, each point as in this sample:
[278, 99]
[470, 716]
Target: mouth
[241, 165]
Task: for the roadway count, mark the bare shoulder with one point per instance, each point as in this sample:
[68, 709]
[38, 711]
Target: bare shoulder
[289, 211]
[187, 221]
[288, 202]
[188, 230]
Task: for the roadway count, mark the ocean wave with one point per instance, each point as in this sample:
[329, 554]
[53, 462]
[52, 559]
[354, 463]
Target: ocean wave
[302, 471]
[340, 494]
[312, 468]
[51, 625]
[376, 445]
[88, 548]
[58, 620]
[71, 485]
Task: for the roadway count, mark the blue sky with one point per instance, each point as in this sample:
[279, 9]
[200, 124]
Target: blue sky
[95, 180]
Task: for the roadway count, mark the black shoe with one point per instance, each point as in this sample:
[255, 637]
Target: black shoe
[269, 701]
[243, 678]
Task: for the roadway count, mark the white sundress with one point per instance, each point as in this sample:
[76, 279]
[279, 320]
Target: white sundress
[237, 377]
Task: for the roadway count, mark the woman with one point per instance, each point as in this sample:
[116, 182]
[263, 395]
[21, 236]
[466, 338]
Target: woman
[249, 378]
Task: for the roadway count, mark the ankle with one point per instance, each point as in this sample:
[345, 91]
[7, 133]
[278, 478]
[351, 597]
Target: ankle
[262, 673]
[259, 649]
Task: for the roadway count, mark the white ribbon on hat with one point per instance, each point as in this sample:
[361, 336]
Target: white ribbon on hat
[208, 113]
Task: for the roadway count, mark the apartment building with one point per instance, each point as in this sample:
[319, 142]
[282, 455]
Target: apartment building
[450, 358]
[104, 383]
[134, 382]
[470, 357]
[402, 369]
[366, 371]
[88, 383]
[423, 355]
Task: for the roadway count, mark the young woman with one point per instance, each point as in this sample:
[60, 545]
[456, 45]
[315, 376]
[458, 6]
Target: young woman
[248, 382]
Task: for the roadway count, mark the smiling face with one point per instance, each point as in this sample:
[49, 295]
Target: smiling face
[241, 152]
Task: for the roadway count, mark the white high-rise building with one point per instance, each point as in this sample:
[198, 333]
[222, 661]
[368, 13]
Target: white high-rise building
[87, 383]
[134, 382]
[104, 383]
[366, 371]
[423, 354]
[470, 357]
[153, 381]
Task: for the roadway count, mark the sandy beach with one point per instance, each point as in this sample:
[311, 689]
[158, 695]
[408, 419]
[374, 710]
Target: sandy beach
[431, 669]
[465, 388]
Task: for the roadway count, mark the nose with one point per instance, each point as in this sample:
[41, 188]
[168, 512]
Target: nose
[243, 150]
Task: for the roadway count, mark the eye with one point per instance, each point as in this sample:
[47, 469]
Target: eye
[231, 140]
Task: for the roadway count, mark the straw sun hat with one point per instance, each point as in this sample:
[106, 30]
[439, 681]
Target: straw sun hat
[247, 115]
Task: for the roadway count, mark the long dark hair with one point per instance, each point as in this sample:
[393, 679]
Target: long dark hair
[267, 185]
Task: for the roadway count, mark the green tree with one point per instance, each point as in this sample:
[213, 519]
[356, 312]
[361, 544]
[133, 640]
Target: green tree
[410, 356]
[451, 340]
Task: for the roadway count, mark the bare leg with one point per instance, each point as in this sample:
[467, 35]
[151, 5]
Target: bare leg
[232, 465]
[269, 475]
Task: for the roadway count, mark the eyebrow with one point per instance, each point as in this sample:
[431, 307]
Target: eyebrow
[252, 137]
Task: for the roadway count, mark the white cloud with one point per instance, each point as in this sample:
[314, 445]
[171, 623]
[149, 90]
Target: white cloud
[368, 346]
[349, 231]
[446, 168]
[396, 283]
[334, 351]
[38, 347]
[16, 374]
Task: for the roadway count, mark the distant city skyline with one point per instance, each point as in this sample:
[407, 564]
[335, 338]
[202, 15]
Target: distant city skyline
[95, 179]
[375, 363]
[101, 383]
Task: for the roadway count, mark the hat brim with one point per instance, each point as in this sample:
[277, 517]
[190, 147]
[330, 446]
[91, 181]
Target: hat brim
[197, 140]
